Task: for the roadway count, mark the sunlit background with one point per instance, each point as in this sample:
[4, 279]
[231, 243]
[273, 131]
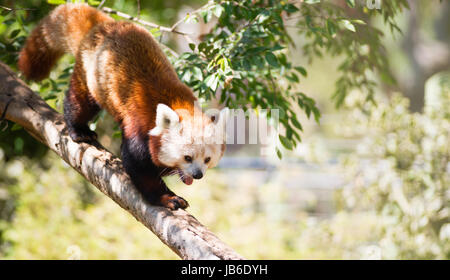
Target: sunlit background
[368, 182]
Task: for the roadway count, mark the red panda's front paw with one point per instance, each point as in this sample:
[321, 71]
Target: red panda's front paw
[173, 202]
[82, 135]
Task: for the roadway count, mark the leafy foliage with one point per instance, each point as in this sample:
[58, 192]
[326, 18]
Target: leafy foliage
[59, 216]
[13, 30]
[401, 170]
[333, 29]
[243, 61]
[399, 174]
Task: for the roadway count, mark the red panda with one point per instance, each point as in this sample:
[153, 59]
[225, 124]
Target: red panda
[119, 67]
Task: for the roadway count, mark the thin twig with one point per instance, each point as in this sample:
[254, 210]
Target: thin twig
[189, 40]
[146, 23]
[101, 4]
[174, 53]
[143, 22]
[139, 9]
[17, 9]
[175, 25]
[178, 22]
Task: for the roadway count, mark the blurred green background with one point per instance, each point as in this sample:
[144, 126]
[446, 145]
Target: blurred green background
[368, 182]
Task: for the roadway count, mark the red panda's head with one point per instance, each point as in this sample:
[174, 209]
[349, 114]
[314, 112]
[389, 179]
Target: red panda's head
[189, 142]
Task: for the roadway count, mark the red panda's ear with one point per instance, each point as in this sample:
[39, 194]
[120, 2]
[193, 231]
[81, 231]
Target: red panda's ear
[165, 119]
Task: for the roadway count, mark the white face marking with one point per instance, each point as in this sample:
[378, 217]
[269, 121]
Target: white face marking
[192, 145]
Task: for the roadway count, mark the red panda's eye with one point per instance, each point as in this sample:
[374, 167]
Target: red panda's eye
[207, 159]
[188, 158]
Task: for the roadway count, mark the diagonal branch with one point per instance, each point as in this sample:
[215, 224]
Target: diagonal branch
[143, 22]
[204, 7]
[172, 29]
[179, 230]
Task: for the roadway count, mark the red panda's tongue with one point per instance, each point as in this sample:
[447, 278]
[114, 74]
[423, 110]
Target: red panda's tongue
[185, 178]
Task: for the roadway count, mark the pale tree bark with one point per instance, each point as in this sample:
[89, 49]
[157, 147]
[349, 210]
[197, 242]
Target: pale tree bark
[179, 230]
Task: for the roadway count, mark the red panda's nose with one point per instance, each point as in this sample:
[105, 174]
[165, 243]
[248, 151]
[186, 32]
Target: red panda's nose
[197, 174]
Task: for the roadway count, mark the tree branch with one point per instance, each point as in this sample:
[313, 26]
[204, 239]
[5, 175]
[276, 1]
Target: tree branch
[143, 22]
[16, 9]
[174, 26]
[179, 230]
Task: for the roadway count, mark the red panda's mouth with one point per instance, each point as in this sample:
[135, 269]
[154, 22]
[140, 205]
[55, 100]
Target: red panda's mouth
[185, 178]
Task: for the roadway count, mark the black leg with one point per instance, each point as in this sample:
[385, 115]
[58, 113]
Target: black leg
[146, 176]
[79, 109]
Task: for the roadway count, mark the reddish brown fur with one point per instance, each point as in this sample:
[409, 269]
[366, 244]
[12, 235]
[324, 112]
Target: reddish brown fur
[37, 58]
[155, 146]
[48, 41]
[138, 74]
[119, 67]
[139, 77]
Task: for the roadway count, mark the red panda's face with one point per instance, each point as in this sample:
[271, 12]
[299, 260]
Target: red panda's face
[191, 145]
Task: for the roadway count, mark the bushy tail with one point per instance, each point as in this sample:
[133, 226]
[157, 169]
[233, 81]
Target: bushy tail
[58, 33]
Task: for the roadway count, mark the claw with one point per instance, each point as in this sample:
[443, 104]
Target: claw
[175, 202]
[83, 135]
[168, 200]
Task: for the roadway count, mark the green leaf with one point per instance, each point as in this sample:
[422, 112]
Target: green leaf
[14, 33]
[191, 18]
[212, 81]
[156, 32]
[301, 70]
[279, 154]
[293, 78]
[56, 2]
[296, 123]
[290, 8]
[16, 127]
[331, 27]
[218, 10]
[246, 64]
[197, 73]
[258, 61]
[312, 1]
[117, 134]
[264, 16]
[64, 76]
[50, 97]
[206, 15]
[9, 21]
[94, 2]
[285, 142]
[192, 46]
[348, 25]
[316, 113]
[272, 59]
[358, 21]
[350, 3]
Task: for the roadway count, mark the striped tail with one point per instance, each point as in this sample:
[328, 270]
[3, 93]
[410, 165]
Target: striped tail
[59, 32]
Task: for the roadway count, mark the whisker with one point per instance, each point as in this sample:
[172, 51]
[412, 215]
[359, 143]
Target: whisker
[162, 171]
